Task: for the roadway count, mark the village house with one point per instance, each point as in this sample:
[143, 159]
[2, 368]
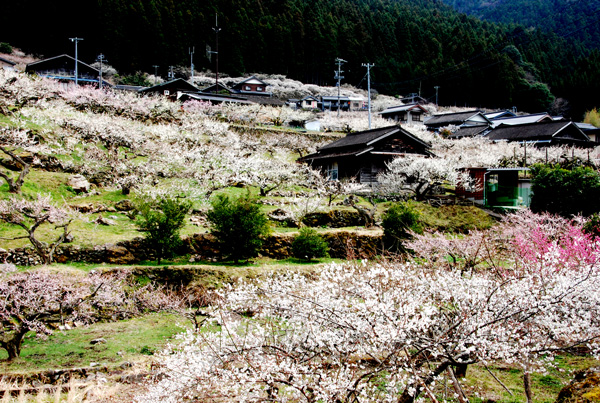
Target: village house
[591, 131]
[469, 118]
[544, 133]
[252, 86]
[407, 114]
[363, 155]
[171, 88]
[332, 103]
[62, 68]
[308, 103]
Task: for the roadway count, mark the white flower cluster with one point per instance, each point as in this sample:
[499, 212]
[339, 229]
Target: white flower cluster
[379, 332]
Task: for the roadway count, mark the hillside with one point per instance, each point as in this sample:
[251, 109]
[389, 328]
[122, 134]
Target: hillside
[576, 20]
[415, 45]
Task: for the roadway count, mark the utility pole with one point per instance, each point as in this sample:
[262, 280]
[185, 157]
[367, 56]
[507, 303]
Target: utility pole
[437, 87]
[171, 74]
[76, 40]
[191, 50]
[338, 77]
[217, 29]
[101, 59]
[368, 66]
[156, 66]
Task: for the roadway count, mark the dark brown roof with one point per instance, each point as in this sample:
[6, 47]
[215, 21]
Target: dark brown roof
[179, 84]
[368, 137]
[542, 132]
[366, 141]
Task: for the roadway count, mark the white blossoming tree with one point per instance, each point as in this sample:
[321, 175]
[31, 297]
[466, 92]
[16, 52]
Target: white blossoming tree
[387, 331]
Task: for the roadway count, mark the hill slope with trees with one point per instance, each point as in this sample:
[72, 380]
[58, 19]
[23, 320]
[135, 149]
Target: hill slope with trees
[415, 45]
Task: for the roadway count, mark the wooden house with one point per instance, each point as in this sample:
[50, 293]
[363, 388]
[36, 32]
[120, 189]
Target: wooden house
[545, 133]
[171, 88]
[333, 102]
[309, 102]
[407, 114]
[252, 86]
[469, 118]
[364, 155]
[591, 131]
[62, 68]
[357, 103]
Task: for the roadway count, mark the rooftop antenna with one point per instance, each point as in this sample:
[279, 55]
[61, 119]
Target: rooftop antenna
[76, 40]
[191, 50]
[338, 77]
[217, 29]
[101, 59]
[368, 66]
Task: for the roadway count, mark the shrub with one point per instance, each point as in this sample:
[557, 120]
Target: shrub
[398, 222]
[5, 48]
[309, 245]
[592, 117]
[565, 192]
[239, 225]
[162, 219]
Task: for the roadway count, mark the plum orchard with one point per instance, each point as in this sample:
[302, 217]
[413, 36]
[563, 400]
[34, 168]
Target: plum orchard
[390, 331]
[42, 300]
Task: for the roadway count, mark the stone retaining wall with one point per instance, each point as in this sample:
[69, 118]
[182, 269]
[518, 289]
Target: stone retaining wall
[202, 247]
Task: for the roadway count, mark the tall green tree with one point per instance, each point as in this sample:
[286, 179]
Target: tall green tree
[161, 220]
[239, 226]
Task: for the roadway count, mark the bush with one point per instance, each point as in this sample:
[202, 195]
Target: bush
[565, 192]
[239, 225]
[309, 245]
[398, 222]
[5, 48]
[161, 220]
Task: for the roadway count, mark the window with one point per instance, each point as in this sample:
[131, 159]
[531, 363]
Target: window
[332, 171]
[247, 88]
[416, 117]
[167, 92]
[259, 88]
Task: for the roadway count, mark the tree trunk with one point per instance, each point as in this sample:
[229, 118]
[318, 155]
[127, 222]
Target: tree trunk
[406, 397]
[527, 386]
[460, 370]
[12, 343]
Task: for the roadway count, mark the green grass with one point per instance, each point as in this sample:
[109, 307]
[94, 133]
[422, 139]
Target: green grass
[545, 387]
[127, 340]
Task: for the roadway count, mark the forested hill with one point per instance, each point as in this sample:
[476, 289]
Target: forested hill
[576, 20]
[415, 45]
